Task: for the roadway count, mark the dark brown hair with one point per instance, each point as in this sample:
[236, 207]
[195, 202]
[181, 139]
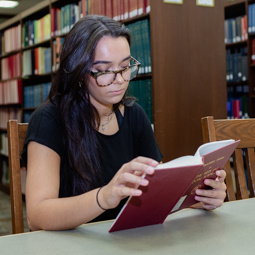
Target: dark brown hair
[80, 168]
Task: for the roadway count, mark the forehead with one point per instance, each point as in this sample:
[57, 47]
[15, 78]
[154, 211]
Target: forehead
[109, 47]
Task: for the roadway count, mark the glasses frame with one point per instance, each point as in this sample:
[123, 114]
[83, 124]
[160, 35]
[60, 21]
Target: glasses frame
[97, 74]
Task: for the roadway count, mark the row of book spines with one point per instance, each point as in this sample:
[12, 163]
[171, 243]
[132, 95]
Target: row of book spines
[11, 39]
[61, 21]
[236, 29]
[36, 61]
[142, 90]
[238, 108]
[9, 113]
[36, 31]
[140, 46]
[237, 102]
[251, 22]
[119, 9]
[35, 95]
[11, 92]
[11, 67]
[237, 65]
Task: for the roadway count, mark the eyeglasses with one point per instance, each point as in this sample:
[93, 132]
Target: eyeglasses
[106, 78]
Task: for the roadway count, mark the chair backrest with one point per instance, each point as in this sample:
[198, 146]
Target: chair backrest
[16, 133]
[240, 179]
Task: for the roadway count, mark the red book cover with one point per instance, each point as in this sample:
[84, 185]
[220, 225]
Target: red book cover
[172, 186]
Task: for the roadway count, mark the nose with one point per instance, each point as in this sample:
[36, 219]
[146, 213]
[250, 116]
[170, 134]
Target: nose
[118, 78]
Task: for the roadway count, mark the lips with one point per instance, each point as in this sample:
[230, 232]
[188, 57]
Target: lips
[117, 92]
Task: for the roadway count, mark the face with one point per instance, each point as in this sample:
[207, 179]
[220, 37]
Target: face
[111, 54]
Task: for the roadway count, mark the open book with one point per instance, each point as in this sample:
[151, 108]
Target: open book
[172, 186]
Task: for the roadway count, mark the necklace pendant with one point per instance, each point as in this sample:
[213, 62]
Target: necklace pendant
[103, 128]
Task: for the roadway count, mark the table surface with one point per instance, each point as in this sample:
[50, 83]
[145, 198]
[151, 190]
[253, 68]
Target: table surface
[229, 229]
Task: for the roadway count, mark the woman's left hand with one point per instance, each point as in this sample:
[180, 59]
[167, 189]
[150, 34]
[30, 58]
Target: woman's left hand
[210, 199]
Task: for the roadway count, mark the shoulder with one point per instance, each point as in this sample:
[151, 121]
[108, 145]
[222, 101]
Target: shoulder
[136, 114]
[135, 109]
[45, 128]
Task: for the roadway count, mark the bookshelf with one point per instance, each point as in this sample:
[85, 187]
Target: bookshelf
[41, 30]
[184, 74]
[240, 57]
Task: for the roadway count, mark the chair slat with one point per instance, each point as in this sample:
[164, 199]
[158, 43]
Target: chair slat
[250, 164]
[16, 136]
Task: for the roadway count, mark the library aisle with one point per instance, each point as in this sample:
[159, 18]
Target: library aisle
[5, 215]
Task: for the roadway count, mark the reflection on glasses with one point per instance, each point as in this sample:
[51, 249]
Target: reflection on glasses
[106, 78]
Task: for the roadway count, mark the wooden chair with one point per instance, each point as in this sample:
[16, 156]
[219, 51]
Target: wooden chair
[16, 133]
[243, 158]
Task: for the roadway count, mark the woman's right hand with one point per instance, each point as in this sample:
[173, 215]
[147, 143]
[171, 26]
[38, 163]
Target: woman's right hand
[125, 182]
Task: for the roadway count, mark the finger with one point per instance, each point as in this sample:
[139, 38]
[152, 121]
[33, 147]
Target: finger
[214, 184]
[221, 175]
[134, 166]
[147, 161]
[212, 193]
[209, 203]
[126, 178]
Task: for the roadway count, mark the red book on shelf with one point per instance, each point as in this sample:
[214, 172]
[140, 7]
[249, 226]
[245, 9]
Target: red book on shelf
[133, 7]
[253, 51]
[236, 108]
[172, 186]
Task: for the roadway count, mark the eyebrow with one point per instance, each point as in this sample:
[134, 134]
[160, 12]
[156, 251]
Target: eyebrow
[107, 62]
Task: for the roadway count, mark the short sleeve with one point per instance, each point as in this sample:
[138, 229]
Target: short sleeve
[44, 127]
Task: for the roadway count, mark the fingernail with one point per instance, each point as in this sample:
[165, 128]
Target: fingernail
[144, 182]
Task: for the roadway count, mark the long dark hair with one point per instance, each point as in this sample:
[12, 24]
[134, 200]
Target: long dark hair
[81, 167]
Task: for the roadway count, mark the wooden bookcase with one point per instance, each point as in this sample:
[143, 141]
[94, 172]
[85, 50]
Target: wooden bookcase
[242, 91]
[188, 69]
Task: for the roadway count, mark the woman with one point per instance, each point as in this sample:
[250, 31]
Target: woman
[89, 144]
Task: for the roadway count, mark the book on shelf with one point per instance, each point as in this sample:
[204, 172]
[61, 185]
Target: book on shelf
[36, 61]
[11, 39]
[140, 48]
[172, 186]
[237, 102]
[142, 90]
[8, 113]
[35, 95]
[251, 15]
[11, 92]
[237, 64]
[253, 51]
[236, 29]
[11, 66]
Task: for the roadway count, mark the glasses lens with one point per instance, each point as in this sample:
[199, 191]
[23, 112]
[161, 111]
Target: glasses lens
[105, 79]
[133, 72]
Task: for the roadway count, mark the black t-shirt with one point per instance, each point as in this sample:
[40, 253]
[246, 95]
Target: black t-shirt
[134, 138]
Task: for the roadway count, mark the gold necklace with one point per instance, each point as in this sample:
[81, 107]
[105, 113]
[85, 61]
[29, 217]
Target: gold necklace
[110, 118]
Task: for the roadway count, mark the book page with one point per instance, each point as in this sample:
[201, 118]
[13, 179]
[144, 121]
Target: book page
[212, 146]
[182, 161]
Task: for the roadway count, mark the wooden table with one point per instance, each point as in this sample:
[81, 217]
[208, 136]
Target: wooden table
[227, 230]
